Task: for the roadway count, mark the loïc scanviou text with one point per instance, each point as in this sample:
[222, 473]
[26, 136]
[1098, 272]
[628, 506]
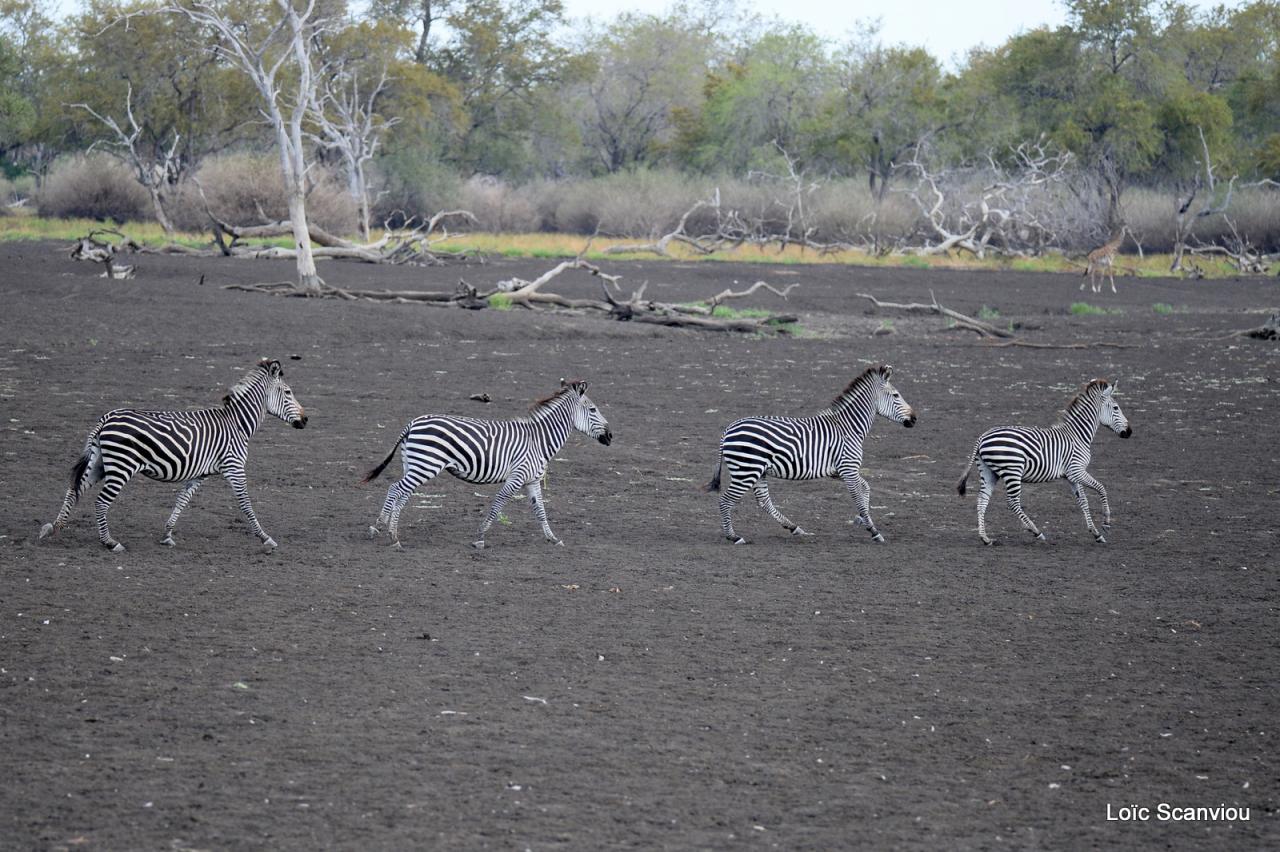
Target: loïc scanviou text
[1166, 812]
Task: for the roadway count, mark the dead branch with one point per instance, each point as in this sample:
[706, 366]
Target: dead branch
[1029, 345]
[533, 295]
[702, 245]
[981, 328]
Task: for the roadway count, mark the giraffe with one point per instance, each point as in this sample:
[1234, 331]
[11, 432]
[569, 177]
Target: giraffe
[1102, 260]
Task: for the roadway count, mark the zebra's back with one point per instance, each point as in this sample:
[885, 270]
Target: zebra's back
[166, 445]
[474, 450]
[1039, 453]
[785, 447]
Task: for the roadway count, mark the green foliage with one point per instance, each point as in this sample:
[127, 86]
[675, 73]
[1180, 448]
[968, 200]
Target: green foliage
[1084, 309]
[501, 302]
[1162, 308]
[985, 313]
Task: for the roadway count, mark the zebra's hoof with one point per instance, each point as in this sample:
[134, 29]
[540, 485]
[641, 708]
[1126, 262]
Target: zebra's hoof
[269, 543]
[372, 533]
[878, 537]
[168, 541]
[798, 531]
[1101, 539]
[46, 530]
[1039, 536]
[117, 547]
[988, 542]
[557, 542]
[478, 545]
[739, 540]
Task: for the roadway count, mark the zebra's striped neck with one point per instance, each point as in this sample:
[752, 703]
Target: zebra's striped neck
[1080, 420]
[247, 400]
[552, 421]
[856, 407]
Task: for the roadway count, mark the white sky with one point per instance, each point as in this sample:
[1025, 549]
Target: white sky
[948, 28]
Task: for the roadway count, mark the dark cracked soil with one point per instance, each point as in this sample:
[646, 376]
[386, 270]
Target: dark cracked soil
[649, 685]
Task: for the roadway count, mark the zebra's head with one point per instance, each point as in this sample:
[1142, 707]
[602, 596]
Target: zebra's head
[890, 404]
[1109, 413]
[280, 399]
[587, 419]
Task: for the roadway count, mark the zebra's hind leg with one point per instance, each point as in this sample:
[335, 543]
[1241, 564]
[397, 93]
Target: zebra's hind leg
[115, 483]
[761, 490]
[88, 478]
[398, 495]
[1083, 502]
[986, 488]
[505, 493]
[534, 490]
[860, 490]
[189, 489]
[1013, 490]
[729, 497]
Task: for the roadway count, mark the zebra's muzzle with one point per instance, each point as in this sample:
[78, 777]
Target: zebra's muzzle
[300, 423]
[1126, 433]
[910, 421]
[606, 438]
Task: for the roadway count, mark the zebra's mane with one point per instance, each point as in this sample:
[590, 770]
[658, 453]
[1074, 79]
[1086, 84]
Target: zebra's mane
[1088, 395]
[260, 369]
[876, 371]
[549, 402]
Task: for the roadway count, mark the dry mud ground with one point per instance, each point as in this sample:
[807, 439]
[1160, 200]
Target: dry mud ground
[649, 685]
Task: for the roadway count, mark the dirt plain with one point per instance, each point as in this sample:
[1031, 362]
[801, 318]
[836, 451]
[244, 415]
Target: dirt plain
[649, 685]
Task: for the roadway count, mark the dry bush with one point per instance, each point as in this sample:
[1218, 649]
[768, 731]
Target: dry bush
[1255, 211]
[638, 204]
[93, 186]
[241, 188]
[498, 206]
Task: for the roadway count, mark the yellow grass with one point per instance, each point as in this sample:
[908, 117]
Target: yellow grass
[28, 227]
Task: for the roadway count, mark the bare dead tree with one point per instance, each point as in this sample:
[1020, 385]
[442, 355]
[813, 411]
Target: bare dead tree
[1184, 219]
[280, 66]
[155, 169]
[346, 113]
[94, 250]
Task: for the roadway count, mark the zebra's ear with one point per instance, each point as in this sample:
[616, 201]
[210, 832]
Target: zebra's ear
[274, 368]
[563, 383]
[580, 387]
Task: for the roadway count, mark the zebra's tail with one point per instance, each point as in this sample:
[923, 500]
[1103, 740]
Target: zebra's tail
[714, 484]
[377, 471]
[964, 477]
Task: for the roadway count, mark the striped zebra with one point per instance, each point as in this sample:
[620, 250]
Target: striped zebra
[512, 452]
[1018, 454]
[180, 446]
[826, 444]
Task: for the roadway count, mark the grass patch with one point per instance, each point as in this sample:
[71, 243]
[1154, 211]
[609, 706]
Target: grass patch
[913, 262]
[1084, 309]
[501, 302]
[985, 313]
[1162, 308]
[726, 312]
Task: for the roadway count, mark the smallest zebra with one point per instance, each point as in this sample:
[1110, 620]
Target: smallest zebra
[1018, 454]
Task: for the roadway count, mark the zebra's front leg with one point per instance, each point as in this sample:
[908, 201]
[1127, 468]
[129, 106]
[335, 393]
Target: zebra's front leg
[235, 477]
[189, 488]
[505, 493]
[1083, 502]
[860, 490]
[1013, 490]
[761, 490]
[534, 490]
[1089, 482]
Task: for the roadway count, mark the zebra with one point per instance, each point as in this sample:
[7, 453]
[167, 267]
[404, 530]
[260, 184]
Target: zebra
[826, 444]
[180, 446]
[1018, 454]
[512, 452]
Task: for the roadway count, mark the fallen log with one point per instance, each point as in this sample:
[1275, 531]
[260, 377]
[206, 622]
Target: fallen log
[975, 325]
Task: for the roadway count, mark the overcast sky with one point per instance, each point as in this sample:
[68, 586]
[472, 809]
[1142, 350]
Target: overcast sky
[948, 28]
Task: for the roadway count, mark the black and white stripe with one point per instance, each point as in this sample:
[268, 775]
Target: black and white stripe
[514, 453]
[828, 444]
[180, 446]
[1015, 454]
